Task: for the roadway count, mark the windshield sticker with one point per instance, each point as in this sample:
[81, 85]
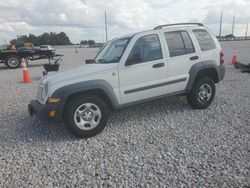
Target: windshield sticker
[122, 42]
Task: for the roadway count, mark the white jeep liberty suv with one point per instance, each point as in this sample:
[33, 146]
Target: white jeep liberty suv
[173, 59]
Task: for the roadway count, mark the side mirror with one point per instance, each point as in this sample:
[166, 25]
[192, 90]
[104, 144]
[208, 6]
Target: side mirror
[89, 61]
[133, 59]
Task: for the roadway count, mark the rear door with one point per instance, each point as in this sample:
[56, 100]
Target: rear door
[210, 50]
[181, 56]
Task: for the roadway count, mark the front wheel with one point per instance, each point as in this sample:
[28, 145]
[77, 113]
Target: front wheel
[86, 116]
[202, 93]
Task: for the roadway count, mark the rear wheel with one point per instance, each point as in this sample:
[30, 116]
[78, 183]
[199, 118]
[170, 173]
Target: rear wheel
[202, 93]
[13, 62]
[86, 116]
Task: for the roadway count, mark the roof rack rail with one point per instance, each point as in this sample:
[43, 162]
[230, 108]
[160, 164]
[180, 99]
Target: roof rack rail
[167, 25]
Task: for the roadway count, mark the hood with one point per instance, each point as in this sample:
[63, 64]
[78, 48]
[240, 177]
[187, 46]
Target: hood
[80, 71]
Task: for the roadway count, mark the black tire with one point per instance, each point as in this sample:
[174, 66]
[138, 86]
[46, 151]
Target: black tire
[12, 61]
[71, 108]
[194, 98]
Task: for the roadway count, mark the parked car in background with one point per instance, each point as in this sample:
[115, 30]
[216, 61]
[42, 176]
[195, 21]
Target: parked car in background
[47, 47]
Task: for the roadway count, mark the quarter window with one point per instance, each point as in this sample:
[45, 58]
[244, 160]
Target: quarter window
[204, 39]
[179, 43]
[187, 42]
[145, 49]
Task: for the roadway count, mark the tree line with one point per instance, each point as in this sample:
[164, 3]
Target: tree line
[87, 42]
[46, 38]
[51, 38]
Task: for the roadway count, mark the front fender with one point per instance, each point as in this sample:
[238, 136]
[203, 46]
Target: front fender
[65, 92]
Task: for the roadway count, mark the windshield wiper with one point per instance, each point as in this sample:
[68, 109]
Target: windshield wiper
[116, 59]
[102, 60]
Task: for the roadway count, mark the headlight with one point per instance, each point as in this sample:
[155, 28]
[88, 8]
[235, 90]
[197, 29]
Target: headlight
[46, 90]
[43, 92]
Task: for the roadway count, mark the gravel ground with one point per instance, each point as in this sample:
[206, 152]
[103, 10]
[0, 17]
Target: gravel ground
[163, 143]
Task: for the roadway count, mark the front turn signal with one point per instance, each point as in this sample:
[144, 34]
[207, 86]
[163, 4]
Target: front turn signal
[52, 113]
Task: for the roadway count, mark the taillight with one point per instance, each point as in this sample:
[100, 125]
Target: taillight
[221, 58]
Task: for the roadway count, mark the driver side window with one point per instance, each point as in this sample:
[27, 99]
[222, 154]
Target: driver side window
[145, 49]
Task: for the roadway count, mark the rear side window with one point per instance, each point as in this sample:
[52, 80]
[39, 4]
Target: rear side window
[179, 43]
[204, 39]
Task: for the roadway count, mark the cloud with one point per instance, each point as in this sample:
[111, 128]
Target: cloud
[63, 17]
[85, 19]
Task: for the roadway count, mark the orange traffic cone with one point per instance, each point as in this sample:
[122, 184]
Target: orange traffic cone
[26, 77]
[234, 58]
[76, 51]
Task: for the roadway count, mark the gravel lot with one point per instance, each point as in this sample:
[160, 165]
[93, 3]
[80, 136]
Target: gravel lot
[163, 143]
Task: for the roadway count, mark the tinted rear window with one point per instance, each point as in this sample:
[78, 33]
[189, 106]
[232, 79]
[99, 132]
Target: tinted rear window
[179, 43]
[204, 39]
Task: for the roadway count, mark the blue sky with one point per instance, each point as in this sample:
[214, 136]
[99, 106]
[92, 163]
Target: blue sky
[85, 19]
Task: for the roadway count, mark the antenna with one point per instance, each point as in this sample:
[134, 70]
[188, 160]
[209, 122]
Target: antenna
[106, 28]
[233, 25]
[220, 25]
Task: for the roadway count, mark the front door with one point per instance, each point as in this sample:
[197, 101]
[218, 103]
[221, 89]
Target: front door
[145, 70]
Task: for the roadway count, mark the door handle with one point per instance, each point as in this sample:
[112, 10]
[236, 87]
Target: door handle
[194, 58]
[157, 65]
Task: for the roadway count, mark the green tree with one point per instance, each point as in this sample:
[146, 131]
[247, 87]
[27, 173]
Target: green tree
[62, 39]
[84, 42]
[45, 38]
[89, 42]
[33, 39]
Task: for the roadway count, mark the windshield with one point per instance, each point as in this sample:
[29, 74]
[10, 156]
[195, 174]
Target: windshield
[112, 51]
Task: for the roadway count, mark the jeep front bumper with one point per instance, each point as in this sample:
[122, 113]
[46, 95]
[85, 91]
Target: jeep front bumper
[47, 111]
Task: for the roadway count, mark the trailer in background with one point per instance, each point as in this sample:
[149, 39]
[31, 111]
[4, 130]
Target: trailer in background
[244, 67]
[12, 58]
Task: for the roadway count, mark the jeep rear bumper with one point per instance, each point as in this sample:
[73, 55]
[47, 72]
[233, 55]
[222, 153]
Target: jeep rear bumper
[221, 72]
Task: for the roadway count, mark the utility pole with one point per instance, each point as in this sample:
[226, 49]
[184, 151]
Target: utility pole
[220, 25]
[106, 28]
[233, 25]
[247, 31]
[17, 42]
